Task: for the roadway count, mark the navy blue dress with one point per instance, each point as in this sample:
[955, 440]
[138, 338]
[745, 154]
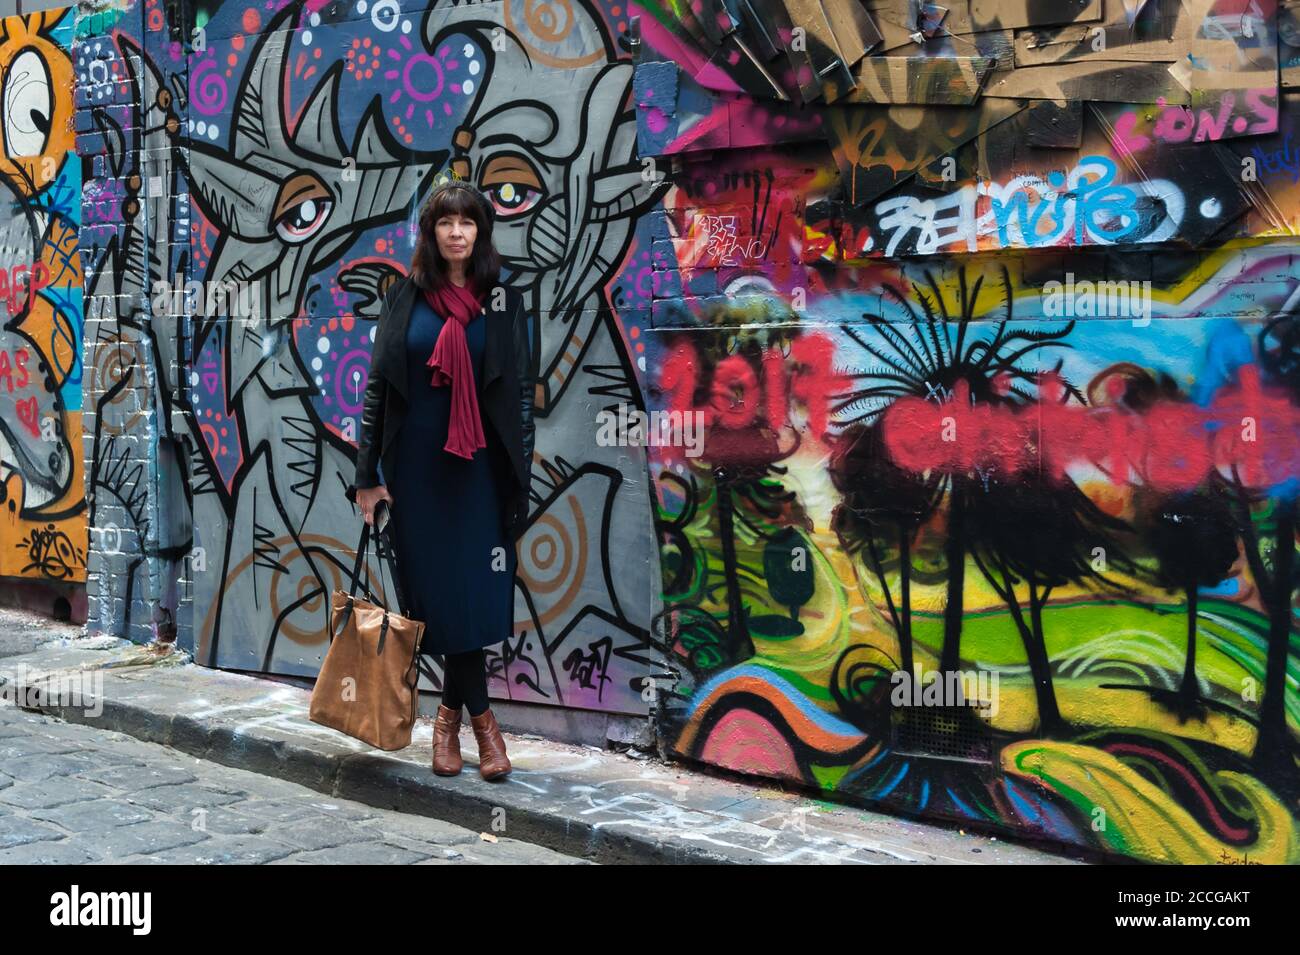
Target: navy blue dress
[456, 562]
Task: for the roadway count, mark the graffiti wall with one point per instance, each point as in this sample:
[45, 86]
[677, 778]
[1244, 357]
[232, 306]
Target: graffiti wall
[42, 490]
[986, 313]
[259, 169]
[917, 384]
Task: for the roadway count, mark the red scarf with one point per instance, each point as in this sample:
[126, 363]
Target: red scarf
[451, 365]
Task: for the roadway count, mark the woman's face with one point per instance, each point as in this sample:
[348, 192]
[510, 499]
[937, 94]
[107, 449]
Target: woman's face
[455, 234]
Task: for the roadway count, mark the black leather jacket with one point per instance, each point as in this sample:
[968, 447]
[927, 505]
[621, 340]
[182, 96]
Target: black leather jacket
[505, 395]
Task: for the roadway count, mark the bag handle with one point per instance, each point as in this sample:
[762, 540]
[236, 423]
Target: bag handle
[355, 580]
[362, 547]
[386, 552]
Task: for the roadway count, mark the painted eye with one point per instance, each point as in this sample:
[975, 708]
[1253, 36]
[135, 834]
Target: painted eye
[512, 184]
[749, 285]
[511, 199]
[303, 205]
[303, 221]
[28, 105]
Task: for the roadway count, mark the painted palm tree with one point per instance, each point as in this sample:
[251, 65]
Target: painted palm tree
[936, 353]
[1267, 528]
[749, 500]
[744, 463]
[1267, 524]
[1195, 543]
[1032, 530]
[884, 507]
[1190, 533]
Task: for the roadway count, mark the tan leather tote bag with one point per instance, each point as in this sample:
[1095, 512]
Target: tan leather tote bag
[366, 686]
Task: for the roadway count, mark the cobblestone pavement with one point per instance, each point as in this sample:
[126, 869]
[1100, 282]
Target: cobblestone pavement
[163, 760]
[72, 794]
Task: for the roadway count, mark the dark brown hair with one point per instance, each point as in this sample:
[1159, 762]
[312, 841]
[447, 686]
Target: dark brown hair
[428, 267]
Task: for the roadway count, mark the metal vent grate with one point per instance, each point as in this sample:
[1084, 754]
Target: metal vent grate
[942, 732]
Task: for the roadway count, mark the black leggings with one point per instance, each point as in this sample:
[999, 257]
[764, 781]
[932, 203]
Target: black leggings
[464, 681]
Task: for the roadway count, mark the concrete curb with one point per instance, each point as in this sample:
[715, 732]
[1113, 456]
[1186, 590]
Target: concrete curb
[601, 806]
[377, 779]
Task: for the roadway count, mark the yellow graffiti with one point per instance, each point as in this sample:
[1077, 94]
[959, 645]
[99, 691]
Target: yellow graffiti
[1133, 815]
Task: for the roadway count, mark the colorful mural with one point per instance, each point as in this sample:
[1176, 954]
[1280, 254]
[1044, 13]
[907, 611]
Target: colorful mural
[262, 169]
[976, 323]
[989, 314]
[43, 535]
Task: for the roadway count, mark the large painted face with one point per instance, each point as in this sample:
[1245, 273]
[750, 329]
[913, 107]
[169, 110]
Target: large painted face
[288, 201]
[36, 138]
[35, 121]
[558, 164]
[550, 144]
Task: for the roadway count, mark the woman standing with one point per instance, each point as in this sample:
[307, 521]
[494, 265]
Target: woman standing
[450, 401]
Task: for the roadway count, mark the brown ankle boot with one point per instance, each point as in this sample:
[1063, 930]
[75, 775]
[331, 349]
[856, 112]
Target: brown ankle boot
[446, 742]
[492, 760]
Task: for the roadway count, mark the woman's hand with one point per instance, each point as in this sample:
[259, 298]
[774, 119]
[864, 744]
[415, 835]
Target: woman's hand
[369, 497]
